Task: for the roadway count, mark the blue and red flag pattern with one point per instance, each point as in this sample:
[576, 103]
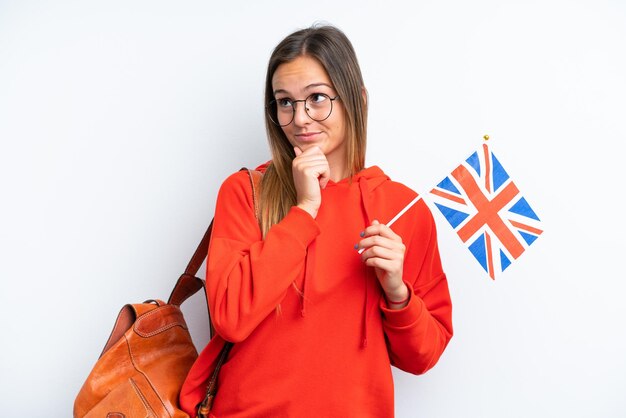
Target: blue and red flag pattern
[486, 209]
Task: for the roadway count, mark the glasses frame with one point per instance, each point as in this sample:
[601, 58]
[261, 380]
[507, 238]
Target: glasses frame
[272, 110]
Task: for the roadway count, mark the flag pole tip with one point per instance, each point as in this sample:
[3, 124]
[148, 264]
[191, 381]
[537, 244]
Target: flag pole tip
[486, 137]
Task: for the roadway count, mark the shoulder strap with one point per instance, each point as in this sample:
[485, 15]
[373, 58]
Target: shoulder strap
[188, 284]
[255, 180]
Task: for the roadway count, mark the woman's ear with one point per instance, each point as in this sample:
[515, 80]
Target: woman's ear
[364, 94]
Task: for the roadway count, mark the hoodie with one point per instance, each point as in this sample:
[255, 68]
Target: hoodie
[313, 335]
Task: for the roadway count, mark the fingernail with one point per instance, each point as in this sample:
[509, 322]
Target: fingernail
[356, 246]
[362, 233]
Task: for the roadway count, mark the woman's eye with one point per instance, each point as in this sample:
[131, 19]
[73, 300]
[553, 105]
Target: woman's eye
[317, 97]
[283, 102]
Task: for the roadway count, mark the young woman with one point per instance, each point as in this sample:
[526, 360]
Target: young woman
[318, 295]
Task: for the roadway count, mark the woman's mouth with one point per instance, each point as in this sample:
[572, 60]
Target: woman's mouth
[307, 136]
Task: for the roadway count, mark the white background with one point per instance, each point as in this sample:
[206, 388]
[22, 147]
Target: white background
[119, 120]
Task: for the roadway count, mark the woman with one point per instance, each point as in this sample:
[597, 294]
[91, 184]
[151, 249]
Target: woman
[319, 297]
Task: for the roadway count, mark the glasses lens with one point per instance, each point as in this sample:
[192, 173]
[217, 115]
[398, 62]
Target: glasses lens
[280, 112]
[319, 106]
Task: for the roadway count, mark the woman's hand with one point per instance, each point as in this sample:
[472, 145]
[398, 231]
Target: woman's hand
[383, 249]
[311, 173]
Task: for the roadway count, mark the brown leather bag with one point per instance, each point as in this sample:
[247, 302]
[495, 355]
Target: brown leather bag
[149, 353]
[147, 357]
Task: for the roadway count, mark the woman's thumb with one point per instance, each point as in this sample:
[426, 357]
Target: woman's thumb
[298, 151]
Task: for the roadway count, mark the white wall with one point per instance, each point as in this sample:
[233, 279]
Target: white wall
[119, 119]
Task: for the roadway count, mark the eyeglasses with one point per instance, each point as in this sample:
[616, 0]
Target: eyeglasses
[318, 106]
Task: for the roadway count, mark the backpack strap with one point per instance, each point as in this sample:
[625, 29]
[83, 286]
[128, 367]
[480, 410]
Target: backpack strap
[188, 283]
[255, 181]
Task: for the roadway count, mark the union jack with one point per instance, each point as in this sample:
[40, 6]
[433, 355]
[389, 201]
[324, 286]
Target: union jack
[485, 208]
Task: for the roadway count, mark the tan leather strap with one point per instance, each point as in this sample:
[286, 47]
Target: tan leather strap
[255, 180]
[188, 284]
[205, 406]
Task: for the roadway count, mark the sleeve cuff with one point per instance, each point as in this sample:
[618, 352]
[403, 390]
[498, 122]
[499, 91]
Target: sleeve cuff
[405, 317]
[301, 225]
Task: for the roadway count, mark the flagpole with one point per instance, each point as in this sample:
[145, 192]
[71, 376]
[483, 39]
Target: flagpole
[402, 212]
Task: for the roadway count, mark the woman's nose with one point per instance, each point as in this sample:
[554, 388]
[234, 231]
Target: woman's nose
[300, 117]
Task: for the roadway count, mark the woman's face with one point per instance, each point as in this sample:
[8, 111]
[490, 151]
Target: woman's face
[297, 80]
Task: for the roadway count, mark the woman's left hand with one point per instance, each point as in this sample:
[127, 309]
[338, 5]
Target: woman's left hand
[384, 250]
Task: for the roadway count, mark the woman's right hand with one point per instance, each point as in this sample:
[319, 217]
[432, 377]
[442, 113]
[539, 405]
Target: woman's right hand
[311, 173]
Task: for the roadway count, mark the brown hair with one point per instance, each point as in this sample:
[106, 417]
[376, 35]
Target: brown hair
[333, 50]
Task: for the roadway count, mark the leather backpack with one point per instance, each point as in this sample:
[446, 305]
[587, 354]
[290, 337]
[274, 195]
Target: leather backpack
[147, 356]
[149, 353]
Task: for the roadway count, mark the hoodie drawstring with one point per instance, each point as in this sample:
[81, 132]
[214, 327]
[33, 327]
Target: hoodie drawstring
[365, 205]
[308, 268]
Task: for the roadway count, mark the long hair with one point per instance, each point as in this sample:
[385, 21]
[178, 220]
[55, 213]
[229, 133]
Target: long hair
[335, 53]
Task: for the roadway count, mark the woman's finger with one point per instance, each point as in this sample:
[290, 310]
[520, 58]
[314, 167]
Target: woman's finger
[387, 266]
[312, 162]
[376, 228]
[310, 171]
[381, 241]
[381, 252]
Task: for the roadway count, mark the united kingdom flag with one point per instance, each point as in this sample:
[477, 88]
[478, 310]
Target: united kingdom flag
[487, 211]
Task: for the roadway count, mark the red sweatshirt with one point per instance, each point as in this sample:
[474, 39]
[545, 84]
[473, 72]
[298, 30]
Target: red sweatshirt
[313, 335]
